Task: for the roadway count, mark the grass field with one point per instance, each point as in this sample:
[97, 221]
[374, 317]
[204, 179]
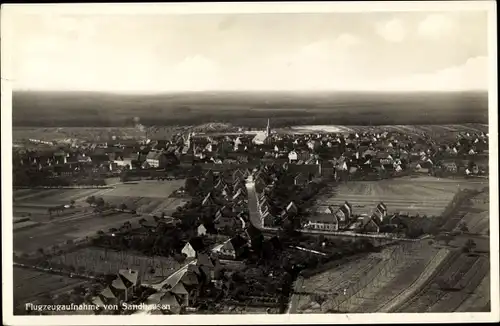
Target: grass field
[30, 284]
[423, 195]
[102, 261]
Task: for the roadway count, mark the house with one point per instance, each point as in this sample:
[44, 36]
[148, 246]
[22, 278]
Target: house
[233, 248]
[344, 214]
[268, 219]
[201, 230]
[450, 167]
[323, 222]
[125, 285]
[238, 175]
[291, 208]
[185, 285]
[193, 247]
[164, 303]
[239, 195]
[107, 296]
[254, 236]
[208, 200]
[292, 157]
[301, 180]
[372, 225]
[380, 211]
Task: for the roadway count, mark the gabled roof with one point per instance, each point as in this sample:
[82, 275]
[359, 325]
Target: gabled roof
[208, 199]
[130, 275]
[291, 207]
[170, 300]
[179, 288]
[252, 232]
[108, 293]
[205, 260]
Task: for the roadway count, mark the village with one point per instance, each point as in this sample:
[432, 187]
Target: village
[227, 223]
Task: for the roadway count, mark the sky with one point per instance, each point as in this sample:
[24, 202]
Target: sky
[371, 51]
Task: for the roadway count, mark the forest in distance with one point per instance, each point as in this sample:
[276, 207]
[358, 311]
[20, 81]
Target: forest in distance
[252, 109]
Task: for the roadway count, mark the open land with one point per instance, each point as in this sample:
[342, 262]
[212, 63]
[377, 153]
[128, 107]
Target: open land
[31, 284]
[247, 108]
[80, 222]
[105, 261]
[423, 195]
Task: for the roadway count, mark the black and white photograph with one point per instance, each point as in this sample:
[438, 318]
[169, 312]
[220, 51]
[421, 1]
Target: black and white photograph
[241, 163]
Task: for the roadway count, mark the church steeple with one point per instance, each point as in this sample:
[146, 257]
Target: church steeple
[268, 129]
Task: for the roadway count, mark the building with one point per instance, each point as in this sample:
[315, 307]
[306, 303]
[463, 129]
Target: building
[263, 137]
[201, 230]
[380, 211]
[323, 222]
[344, 214]
[233, 248]
[125, 285]
[193, 247]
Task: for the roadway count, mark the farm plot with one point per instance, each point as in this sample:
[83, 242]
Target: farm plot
[368, 284]
[58, 232]
[146, 188]
[104, 261]
[52, 196]
[333, 283]
[30, 284]
[479, 301]
[454, 282]
[423, 196]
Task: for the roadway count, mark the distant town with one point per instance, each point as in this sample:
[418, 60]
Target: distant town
[267, 221]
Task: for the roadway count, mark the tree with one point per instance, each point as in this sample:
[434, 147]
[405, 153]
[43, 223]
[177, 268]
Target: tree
[463, 227]
[469, 245]
[100, 202]
[90, 200]
[123, 207]
[72, 202]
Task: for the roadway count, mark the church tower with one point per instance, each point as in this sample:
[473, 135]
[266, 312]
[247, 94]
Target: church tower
[268, 129]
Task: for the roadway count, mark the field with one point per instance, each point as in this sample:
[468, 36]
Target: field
[367, 284]
[102, 261]
[56, 232]
[463, 275]
[30, 284]
[145, 197]
[448, 130]
[423, 195]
